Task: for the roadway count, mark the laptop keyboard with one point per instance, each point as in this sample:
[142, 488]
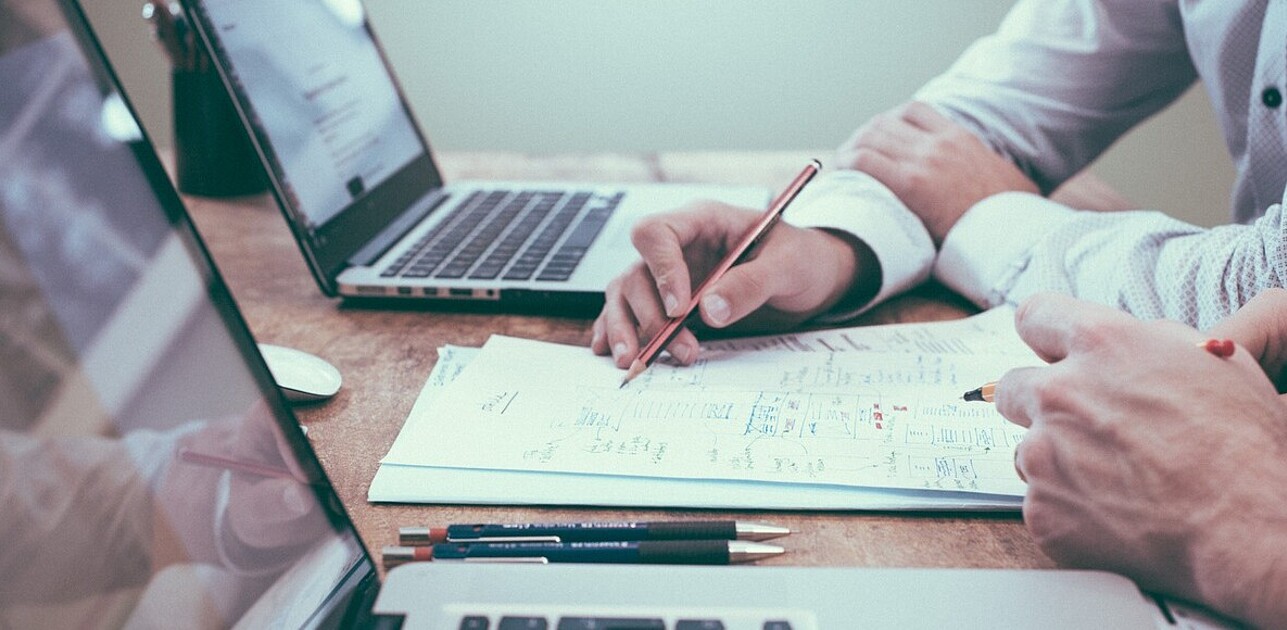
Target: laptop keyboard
[480, 622]
[514, 235]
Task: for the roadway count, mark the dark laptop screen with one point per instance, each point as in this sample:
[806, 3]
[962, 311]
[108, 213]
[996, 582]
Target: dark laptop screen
[150, 475]
[342, 151]
[319, 91]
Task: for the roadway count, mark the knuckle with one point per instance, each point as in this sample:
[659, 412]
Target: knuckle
[1033, 456]
[1052, 395]
[646, 230]
[1092, 334]
[916, 179]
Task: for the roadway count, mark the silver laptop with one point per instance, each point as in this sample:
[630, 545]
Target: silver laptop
[153, 475]
[360, 189]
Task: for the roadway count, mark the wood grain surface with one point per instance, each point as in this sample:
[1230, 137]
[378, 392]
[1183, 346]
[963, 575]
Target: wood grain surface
[386, 355]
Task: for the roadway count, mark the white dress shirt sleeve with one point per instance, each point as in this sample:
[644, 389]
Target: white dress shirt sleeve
[856, 204]
[1060, 80]
[1013, 245]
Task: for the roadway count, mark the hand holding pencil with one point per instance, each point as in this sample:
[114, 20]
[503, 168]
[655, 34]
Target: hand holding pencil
[794, 274]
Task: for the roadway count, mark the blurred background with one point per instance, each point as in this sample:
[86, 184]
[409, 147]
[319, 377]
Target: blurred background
[580, 76]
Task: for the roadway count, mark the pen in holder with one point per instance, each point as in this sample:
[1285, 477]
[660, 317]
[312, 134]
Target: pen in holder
[213, 154]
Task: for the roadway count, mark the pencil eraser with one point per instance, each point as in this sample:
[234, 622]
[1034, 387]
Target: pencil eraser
[417, 536]
[394, 555]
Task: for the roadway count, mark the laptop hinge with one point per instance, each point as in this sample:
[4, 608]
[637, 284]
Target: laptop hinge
[397, 228]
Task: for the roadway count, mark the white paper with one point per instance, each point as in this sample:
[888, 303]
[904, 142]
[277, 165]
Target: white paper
[989, 332]
[426, 484]
[891, 419]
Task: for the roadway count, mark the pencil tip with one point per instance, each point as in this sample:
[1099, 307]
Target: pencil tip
[636, 368]
[974, 395]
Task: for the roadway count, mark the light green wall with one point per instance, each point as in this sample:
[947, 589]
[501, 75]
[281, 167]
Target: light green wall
[593, 75]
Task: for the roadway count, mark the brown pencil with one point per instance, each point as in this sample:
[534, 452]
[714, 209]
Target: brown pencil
[653, 348]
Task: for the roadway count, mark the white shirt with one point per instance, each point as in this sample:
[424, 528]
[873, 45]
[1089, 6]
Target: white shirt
[1054, 87]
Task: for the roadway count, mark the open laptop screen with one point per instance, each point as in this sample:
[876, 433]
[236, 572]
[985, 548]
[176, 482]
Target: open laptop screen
[150, 474]
[319, 91]
[324, 111]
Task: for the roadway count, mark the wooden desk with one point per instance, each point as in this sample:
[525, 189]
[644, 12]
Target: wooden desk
[385, 357]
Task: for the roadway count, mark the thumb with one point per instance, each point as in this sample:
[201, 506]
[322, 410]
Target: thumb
[743, 290]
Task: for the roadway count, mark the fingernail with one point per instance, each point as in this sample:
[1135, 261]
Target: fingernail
[619, 349]
[672, 304]
[716, 309]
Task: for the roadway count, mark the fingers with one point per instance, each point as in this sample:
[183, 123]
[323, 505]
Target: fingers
[1261, 327]
[1054, 324]
[662, 240]
[633, 314]
[743, 290]
[1014, 397]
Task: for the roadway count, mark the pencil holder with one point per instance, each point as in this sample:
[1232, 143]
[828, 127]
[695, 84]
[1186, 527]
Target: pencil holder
[213, 154]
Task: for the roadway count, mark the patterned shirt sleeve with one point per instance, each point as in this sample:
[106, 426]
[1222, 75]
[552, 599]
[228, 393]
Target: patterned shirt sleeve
[1011, 246]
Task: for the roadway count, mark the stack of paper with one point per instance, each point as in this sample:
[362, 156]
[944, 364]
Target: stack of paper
[859, 418]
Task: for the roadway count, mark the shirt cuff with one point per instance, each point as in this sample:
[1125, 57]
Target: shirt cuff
[856, 204]
[987, 249]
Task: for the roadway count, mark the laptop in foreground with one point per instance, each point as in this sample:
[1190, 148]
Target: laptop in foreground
[153, 476]
[359, 186]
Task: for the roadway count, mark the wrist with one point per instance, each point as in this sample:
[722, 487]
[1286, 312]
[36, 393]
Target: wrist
[1240, 568]
[857, 272]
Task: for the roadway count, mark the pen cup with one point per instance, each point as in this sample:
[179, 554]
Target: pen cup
[213, 154]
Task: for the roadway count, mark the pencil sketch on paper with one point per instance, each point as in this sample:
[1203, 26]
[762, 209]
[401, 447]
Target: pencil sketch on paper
[861, 419]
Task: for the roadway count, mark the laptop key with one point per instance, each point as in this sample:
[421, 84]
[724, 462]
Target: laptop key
[699, 624]
[589, 227]
[523, 623]
[777, 625]
[610, 623]
[474, 622]
[520, 272]
[486, 271]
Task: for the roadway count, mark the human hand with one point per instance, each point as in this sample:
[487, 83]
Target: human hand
[1150, 457]
[796, 273]
[1260, 327]
[935, 166]
[265, 520]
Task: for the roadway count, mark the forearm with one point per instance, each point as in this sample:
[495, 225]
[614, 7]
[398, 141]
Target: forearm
[1119, 62]
[1240, 564]
[1012, 246]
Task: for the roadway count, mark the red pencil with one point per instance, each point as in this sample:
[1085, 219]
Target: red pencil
[653, 348]
[218, 461]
